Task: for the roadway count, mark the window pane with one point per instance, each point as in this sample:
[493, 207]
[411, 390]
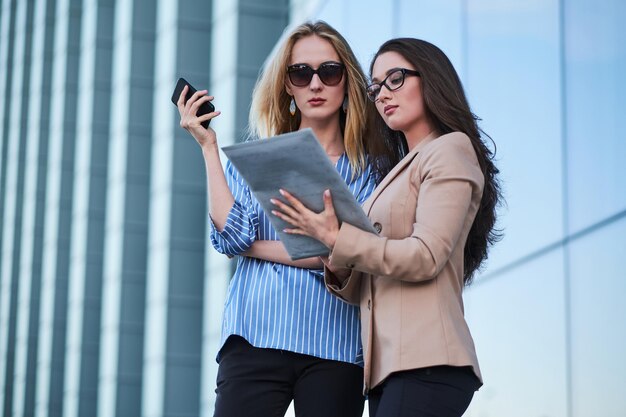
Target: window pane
[513, 84]
[440, 22]
[598, 332]
[518, 323]
[366, 24]
[596, 98]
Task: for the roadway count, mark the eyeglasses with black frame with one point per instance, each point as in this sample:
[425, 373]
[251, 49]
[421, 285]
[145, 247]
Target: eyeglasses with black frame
[393, 81]
[330, 73]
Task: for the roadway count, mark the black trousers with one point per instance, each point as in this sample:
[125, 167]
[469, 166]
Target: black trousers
[438, 391]
[253, 382]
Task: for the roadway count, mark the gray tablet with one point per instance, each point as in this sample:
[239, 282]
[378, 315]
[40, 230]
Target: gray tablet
[297, 163]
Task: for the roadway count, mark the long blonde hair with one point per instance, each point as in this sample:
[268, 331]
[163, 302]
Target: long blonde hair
[269, 113]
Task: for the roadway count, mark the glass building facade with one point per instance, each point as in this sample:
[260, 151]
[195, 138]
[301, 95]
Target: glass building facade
[110, 294]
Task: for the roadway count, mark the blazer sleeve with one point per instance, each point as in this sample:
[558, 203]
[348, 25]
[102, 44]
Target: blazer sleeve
[348, 289]
[450, 188]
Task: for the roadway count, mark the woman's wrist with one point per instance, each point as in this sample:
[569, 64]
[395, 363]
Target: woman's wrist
[331, 239]
[209, 147]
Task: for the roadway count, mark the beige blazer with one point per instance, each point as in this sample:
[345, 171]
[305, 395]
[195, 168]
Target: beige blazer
[408, 279]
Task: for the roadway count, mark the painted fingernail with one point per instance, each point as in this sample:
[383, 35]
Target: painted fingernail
[281, 191]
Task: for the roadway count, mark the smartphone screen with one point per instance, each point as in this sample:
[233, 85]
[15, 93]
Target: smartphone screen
[203, 109]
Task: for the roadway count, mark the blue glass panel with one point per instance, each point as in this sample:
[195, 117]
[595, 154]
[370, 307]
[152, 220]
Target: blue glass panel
[595, 42]
[369, 24]
[513, 84]
[440, 22]
[518, 323]
[366, 24]
[598, 288]
[333, 13]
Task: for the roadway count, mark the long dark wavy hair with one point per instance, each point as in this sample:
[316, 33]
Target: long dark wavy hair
[448, 110]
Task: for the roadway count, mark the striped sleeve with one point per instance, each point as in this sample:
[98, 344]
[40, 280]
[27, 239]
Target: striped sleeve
[242, 222]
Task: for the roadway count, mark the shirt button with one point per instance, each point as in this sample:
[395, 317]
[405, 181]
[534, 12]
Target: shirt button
[378, 227]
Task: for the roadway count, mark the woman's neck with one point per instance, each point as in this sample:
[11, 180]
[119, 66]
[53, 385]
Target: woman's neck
[417, 134]
[329, 135]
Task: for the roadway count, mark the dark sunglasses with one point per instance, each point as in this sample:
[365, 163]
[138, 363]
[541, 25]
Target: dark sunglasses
[330, 73]
[393, 81]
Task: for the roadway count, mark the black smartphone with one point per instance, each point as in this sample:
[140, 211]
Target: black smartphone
[205, 108]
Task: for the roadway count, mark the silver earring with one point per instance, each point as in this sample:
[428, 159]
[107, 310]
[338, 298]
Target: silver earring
[344, 105]
[292, 107]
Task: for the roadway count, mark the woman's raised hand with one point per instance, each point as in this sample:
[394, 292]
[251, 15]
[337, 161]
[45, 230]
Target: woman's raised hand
[192, 123]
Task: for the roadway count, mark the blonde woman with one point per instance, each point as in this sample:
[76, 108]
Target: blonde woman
[284, 337]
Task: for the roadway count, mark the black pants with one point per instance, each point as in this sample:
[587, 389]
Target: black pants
[438, 391]
[253, 382]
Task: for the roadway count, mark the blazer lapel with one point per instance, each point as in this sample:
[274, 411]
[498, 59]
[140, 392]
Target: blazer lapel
[367, 205]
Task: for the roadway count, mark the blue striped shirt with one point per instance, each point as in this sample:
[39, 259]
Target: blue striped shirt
[278, 306]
